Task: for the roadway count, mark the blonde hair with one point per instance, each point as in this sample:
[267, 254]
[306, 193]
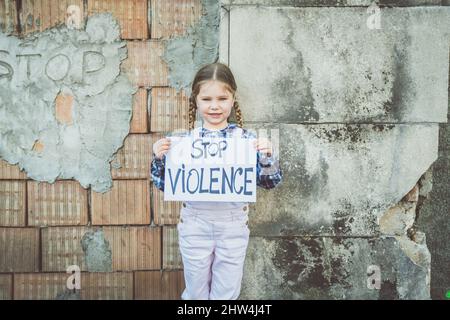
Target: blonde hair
[214, 71]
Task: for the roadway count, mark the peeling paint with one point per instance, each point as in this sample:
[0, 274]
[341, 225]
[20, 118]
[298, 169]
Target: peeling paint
[426, 183]
[398, 219]
[400, 222]
[188, 53]
[83, 64]
[418, 253]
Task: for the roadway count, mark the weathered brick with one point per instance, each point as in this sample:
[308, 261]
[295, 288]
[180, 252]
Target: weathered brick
[64, 107]
[132, 161]
[158, 285]
[8, 17]
[59, 203]
[39, 286]
[107, 286]
[169, 110]
[94, 286]
[19, 249]
[139, 120]
[171, 250]
[133, 248]
[38, 146]
[5, 286]
[61, 248]
[174, 17]
[144, 65]
[131, 14]
[164, 212]
[38, 15]
[12, 203]
[8, 171]
[128, 202]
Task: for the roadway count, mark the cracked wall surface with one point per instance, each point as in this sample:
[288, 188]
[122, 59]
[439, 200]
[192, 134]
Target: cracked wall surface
[357, 114]
[330, 268]
[199, 46]
[65, 108]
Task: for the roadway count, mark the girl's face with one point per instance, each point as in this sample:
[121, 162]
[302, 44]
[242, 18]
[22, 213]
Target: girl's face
[214, 103]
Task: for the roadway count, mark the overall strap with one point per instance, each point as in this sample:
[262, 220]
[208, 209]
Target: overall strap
[238, 132]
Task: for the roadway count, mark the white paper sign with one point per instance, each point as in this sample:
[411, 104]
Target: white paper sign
[210, 169]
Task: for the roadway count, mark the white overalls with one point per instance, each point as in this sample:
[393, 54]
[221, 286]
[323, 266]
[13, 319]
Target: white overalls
[213, 244]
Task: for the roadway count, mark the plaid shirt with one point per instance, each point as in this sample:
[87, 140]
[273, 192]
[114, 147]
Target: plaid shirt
[268, 170]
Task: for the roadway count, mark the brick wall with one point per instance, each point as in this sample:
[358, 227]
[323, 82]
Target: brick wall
[42, 225]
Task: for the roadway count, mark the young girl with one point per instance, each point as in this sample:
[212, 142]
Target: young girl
[213, 236]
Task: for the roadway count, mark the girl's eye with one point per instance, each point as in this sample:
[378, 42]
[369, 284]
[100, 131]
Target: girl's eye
[221, 99]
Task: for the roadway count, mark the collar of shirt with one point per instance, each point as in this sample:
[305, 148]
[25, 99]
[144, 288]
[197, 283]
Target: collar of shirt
[222, 132]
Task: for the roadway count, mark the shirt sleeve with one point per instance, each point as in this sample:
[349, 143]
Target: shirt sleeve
[268, 171]
[157, 171]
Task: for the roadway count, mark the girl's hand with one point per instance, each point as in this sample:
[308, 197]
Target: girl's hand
[161, 147]
[264, 146]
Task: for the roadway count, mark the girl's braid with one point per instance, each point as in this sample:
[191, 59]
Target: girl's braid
[192, 111]
[238, 112]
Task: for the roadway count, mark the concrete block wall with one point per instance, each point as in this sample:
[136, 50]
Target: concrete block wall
[358, 111]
